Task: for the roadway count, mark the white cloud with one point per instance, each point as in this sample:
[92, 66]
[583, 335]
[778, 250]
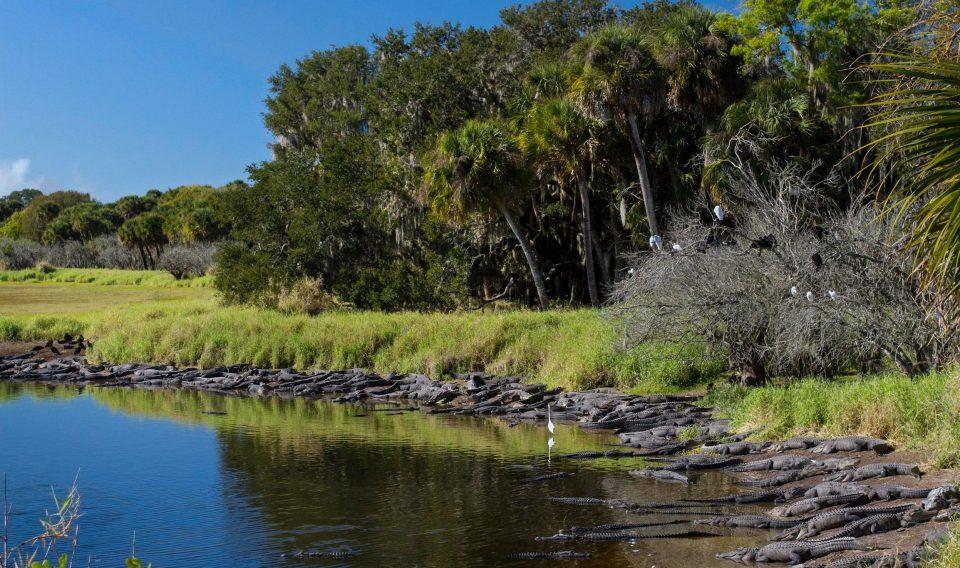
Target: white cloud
[13, 175]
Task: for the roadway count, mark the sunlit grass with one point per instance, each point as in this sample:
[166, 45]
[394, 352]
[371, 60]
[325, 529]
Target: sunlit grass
[921, 413]
[105, 277]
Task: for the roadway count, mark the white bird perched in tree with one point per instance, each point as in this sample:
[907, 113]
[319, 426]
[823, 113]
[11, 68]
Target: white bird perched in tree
[793, 290]
[653, 243]
[832, 294]
[658, 242]
[550, 425]
[718, 211]
[809, 296]
[677, 248]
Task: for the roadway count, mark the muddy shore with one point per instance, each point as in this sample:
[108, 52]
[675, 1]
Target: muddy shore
[802, 493]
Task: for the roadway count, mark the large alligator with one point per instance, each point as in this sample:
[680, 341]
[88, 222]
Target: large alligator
[792, 552]
[547, 477]
[781, 463]
[833, 519]
[837, 488]
[590, 501]
[331, 553]
[941, 498]
[774, 496]
[812, 504]
[651, 533]
[853, 444]
[660, 474]
[621, 526]
[874, 470]
[697, 461]
[750, 522]
[785, 477]
[892, 492]
[736, 448]
[794, 444]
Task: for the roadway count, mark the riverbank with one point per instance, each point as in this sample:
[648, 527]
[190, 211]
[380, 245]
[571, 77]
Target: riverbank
[801, 477]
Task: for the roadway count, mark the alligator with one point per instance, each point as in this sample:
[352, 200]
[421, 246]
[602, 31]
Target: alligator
[621, 526]
[674, 532]
[832, 519]
[660, 474]
[859, 561]
[594, 455]
[836, 488]
[853, 444]
[589, 501]
[736, 448]
[750, 522]
[892, 492]
[547, 477]
[785, 477]
[873, 524]
[560, 555]
[775, 496]
[697, 461]
[794, 444]
[940, 498]
[874, 470]
[791, 552]
[811, 504]
[778, 463]
[839, 464]
[331, 553]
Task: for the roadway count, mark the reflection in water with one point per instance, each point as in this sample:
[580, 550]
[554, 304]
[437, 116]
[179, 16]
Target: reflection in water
[273, 476]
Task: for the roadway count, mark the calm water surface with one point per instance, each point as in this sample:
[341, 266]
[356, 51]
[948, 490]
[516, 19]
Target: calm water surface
[273, 476]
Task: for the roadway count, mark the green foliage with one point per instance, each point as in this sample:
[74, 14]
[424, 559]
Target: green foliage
[922, 136]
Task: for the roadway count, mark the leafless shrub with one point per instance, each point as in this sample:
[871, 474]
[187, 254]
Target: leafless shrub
[111, 254]
[185, 261]
[19, 254]
[70, 254]
[790, 284]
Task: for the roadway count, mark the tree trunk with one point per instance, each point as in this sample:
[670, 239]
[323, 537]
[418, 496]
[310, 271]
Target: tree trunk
[589, 263]
[535, 271]
[645, 188]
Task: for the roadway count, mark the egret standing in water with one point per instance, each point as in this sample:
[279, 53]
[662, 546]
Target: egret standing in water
[550, 425]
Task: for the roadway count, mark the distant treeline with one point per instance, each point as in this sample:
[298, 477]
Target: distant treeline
[79, 232]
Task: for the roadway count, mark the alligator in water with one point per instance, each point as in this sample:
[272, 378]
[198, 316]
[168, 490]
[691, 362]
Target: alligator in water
[774, 496]
[560, 555]
[750, 522]
[547, 477]
[792, 552]
[660, 474]
[331, 553]
[874, 470]
[853, 444]
[589, 501]
[621, 527]
[697, 461]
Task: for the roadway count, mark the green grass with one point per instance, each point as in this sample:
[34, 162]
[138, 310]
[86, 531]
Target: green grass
[920, 413]
[156, 321]
[105, 277]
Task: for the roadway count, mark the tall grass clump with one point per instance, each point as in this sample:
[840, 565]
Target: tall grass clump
[923, 412]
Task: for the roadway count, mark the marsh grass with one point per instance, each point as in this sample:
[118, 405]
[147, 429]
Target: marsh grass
[105, 277]
[920, 413]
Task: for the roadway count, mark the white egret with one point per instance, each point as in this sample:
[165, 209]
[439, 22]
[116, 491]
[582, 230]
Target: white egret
[658, 242]
[550, 425]
[793, 290]
[677, 248]
[810, 296]
[718, 211]
[653, 243]
[832, 294]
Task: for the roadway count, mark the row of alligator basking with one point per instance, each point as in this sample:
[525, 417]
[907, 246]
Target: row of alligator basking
[835, 502]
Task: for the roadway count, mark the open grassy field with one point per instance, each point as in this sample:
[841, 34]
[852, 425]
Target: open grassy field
[159, 320]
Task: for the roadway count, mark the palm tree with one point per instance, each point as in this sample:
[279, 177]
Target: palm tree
[477, 169]
[560, 140]
[619, 79]
[921, 118]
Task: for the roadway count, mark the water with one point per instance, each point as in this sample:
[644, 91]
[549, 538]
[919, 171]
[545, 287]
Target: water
[270, 477]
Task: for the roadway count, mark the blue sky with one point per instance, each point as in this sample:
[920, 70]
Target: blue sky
[114, 98]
